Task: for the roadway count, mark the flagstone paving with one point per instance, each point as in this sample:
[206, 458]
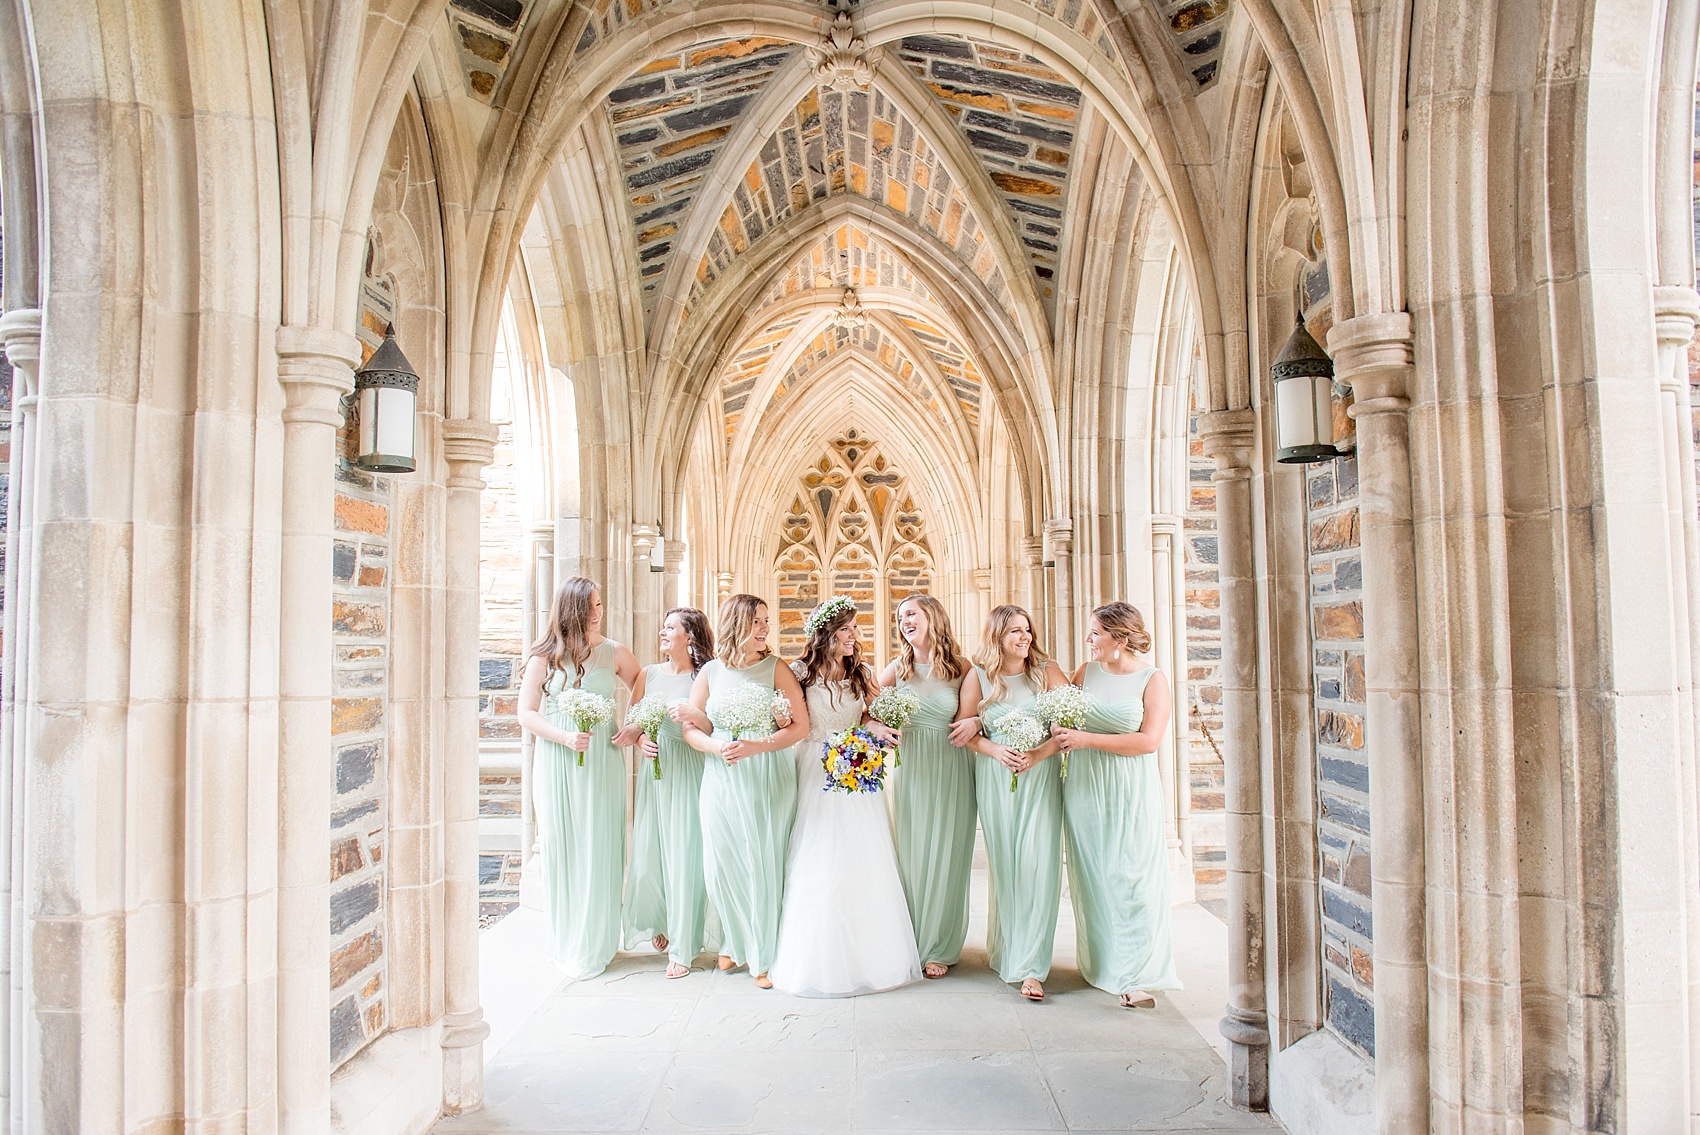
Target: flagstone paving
[633, 1052]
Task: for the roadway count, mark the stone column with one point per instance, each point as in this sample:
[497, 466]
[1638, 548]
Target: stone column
[316, 368]
[1676, 311]
[673, 562]
[1373, 355]
[724, 581]
[1033, 558]
[467, 446]
[977, 618]
[1059, 546]
[540, 594]
[1228, 437]
[20, 337]
[1167, 622]
[646, 614]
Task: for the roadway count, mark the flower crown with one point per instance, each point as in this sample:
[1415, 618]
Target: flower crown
[827, 612]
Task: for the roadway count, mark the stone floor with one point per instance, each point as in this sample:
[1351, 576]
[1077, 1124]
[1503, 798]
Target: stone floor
[631, 1051]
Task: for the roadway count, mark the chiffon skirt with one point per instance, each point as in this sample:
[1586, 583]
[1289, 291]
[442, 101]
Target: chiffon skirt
[581, 816]
[1023, 831]
[933, 809]
[1118, 871]
[746, 810]
[665, 893]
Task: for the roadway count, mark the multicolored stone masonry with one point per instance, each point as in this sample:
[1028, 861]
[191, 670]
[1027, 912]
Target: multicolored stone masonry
[1203, 698]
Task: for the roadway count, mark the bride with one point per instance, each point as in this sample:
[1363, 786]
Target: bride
[845, 928]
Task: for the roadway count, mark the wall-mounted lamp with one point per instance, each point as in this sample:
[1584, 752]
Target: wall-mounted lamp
[1304, 408]
[386, 391]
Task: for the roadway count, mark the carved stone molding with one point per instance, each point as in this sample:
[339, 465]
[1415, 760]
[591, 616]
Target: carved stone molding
[1373, 354]
[468, 446]
[1227, 437]
[844, 60]
[316, 366]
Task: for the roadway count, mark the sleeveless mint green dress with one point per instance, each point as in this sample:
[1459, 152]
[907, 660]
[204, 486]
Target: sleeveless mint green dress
[747, 809]
[1023, 831]
[582, 828]
[1118, 869]
[664, 887]
[933, 806]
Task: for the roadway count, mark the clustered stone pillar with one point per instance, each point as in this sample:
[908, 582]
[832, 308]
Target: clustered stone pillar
[673, 563]
[646, 614]
[468, 446]
[20, 336]
[1167, 625]
[316, 368]
[1033, 557]
[1373, 355]
[1059, 546]
[540, 597]
[1227, 437]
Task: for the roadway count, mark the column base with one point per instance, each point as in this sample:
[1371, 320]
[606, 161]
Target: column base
[463, 1061]
[1248, 1058]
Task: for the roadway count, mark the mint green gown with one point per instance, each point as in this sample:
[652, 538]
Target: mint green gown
[1118, 868]
[582, 828]
[747, 809]
[1023, 831]
[664, 887]
[933, 809]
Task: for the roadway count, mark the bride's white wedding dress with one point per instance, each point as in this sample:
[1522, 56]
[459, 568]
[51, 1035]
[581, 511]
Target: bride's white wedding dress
[845, 928]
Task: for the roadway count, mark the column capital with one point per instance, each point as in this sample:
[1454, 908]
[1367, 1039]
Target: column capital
[316, 367]
[1227, 437]
[983, 579]
[1374, 355]
[643, 540]
[673, 555]
[1059, 535]
[20, 337]
[1676, 312]
[468, 446]
[1033, 551]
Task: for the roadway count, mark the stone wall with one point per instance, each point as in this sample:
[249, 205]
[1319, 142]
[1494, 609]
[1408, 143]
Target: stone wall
[1342, 773]
[360, 617]
[501, 664]
[1202, 702]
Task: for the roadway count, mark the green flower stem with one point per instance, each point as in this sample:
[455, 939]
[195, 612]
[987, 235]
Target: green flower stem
[1013, 777]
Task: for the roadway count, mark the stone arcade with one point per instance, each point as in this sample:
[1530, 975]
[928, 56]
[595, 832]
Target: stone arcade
[973, 297]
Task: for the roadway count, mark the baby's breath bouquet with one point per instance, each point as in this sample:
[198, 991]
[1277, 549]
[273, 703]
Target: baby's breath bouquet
[649, 714]
[745, 710]
[781, 707]
[892, 707]
[1065, 707]
[1021, 731]
[584, 709]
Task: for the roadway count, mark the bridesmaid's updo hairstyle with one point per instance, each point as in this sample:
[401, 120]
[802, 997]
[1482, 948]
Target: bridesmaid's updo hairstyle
[697, 631]
[567, 637]
[737, 629]
[1123, 621]
[990, 655]
[819, 658]
[948, 662]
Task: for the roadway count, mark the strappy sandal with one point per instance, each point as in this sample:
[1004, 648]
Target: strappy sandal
[934, 970]
[1032, 990]
[1138, 999]
[675, 971]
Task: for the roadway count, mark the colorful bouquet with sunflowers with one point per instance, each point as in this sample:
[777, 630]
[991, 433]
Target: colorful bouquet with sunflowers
[854, 761]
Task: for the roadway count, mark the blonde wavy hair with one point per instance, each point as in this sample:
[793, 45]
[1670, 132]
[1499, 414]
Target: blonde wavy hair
[990, 655]
[1123, 621]
[737, 627]
[948, 661]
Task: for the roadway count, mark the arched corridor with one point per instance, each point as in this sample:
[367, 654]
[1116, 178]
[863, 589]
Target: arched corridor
[1003, 301]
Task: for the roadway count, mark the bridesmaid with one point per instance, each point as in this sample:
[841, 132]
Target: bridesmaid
[934, 790]
[581, 810]
[1118, 870]
[665, 900]
[749, 794]
[1023, 828]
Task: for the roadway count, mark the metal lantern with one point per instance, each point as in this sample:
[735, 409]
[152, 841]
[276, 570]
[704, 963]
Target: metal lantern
[385, 392]
[1304, 407]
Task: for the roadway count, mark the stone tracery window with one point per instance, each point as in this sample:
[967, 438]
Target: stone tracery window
[852, 528]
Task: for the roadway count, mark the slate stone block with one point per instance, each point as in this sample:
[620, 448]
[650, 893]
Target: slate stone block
[1339, 909]
[1348, 774]
[1345, 813]
[938, 45]
[350, 906]
[344, 557]
[950, 72]
[724, 111]
[1351, 1015]
[346, 1033]
[495, 673]
[489, 869]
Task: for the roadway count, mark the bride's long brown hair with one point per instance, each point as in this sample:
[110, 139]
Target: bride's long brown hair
[819, 657]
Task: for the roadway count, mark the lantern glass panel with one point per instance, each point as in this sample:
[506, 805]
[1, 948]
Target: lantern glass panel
[386, 429]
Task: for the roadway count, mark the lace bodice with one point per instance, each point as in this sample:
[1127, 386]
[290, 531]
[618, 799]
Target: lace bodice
[832, 709]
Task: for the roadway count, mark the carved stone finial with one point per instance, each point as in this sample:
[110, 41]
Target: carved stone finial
[844, 60]
[850, 315]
